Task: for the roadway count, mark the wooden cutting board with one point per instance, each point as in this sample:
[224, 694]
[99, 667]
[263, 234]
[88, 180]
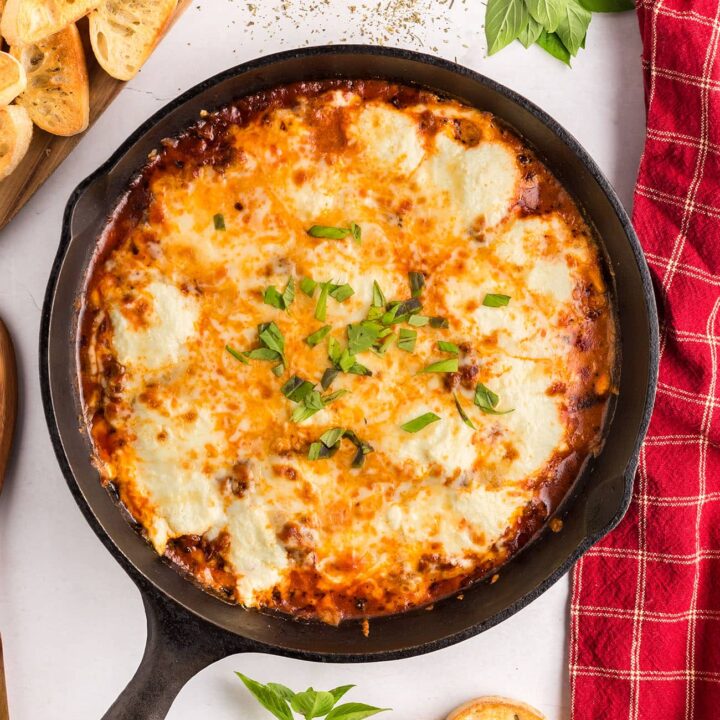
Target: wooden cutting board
[48, 151]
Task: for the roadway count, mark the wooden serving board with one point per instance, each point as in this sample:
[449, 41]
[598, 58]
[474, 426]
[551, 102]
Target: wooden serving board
[47, 151]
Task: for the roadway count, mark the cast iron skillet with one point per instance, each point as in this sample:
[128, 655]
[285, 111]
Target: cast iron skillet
[187, 628]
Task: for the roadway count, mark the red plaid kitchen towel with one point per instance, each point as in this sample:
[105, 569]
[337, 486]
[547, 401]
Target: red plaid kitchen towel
[645, 613]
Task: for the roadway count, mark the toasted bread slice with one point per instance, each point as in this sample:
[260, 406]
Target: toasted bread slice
[123, 34]
[58, 93]
[495, 708]
[30, 21]
[12, 78]
[15, 134]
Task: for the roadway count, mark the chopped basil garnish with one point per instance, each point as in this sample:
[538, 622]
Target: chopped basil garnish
[335, 233]
[407, 339]
[219, 221]
[462, 413]
[328, 376]
[308, 285]
[312, 403]
[448, 347]
[263, 353]
[318, 451]
[487, 400]
[281, 301]
[442, 366]
[237, 355]
[494, 300]
[332, 436]
[413, 426]
[388, 340]
[417, 283]
[378, 298]
[318, 336]
[271, 337]
[296, 388]
[363, 448]
[341, 292]
[321, 307]
[439, 322]
[362, 336]
[418, 320]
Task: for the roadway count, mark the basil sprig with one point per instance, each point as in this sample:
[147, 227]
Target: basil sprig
[281, 702]
[557, 26]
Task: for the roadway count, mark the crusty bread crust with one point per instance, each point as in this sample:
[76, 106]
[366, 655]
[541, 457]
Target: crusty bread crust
[124, 33]
[493, 707]
[12, 78]
[59, 101]
[31, 21]
[15, 135]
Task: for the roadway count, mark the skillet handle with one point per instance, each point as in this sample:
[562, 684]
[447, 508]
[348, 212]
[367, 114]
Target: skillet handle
[178, 646]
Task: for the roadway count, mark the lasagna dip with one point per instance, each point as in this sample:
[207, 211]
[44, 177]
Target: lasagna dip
[345, 346]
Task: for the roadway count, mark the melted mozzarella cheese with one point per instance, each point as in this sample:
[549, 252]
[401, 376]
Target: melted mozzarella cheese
[209, 446]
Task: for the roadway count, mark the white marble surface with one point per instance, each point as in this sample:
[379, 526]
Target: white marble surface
[71, 621]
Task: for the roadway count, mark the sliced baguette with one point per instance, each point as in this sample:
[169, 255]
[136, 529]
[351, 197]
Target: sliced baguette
[123, 34]
[12, 78]
[30, 21]
[57, 96]
[15, 135]
[495, 708]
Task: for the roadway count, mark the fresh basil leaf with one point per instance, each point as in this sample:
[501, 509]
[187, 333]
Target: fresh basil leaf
[341, 292]
[328, 376]
[487, 400]
[417, 283]
[308, 285]
[530, 33]
[546, 12]
[552, 44]
[418, 320]
[296, 388]
[318, 336]
[407, 339]
[418, 423]
[358, 369]
[462, 413]
[378, 298]
[504, 19]
[386, 343]
[442, 366]
[288, 293]
[338, 692]
[263, 353]
[332, 436]
[327, 231]
[439, 322]
[237, 355]
[607, 5]
[346, 360]
[448, 347]
[268, 698]
[356, 232]
[321, 307]
[334, 351]
[311, 404]
[219, 221]
[573, 26]
[282, 690]
[330, 397]
[353, 711]
[312, 703]
[494, 300]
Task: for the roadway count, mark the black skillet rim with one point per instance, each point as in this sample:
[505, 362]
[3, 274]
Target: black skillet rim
[357, 49]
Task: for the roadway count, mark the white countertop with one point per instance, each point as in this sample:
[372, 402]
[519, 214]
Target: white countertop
[71, 621]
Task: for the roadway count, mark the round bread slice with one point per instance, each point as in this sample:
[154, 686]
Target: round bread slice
[58, 93]
[493, 707]
[12, 78]
[15, 135]
[30, 21]
[123, 34]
